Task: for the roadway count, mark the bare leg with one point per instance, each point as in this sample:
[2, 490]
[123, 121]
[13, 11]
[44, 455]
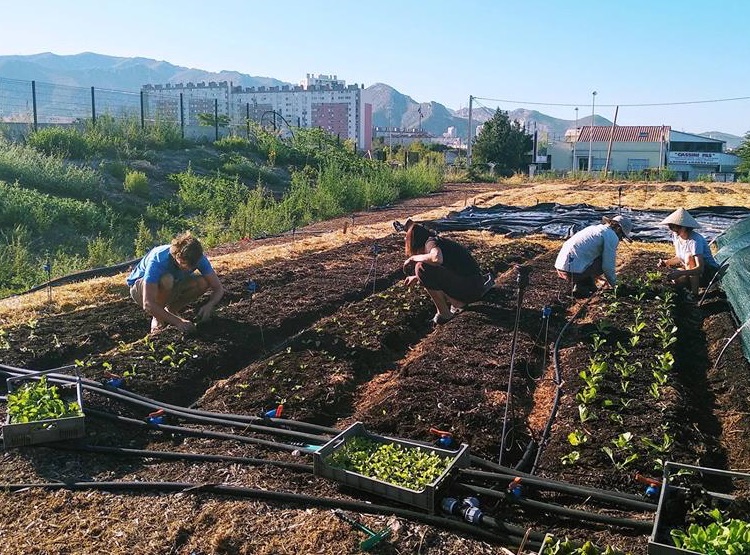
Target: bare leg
[441, 302]
[187, 291]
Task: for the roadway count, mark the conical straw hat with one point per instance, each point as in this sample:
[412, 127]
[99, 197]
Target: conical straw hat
[682, 218]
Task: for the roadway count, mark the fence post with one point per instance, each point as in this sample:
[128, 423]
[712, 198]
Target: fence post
[143, 113]
[93, 107]
[33, 103]
[216, 118]
[182, 117]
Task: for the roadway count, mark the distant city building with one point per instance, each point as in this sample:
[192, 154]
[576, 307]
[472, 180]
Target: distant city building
[635, 148]
[321, 101]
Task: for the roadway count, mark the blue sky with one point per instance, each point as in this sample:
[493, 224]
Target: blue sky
[508, 53]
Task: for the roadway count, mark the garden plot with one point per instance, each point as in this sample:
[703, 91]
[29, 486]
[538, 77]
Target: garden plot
[333, 347]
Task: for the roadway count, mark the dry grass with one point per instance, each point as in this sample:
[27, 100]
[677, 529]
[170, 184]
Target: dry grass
[99, 291]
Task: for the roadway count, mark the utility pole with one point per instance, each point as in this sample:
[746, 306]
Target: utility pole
[574, 165]
[468, 145]
[591, 130]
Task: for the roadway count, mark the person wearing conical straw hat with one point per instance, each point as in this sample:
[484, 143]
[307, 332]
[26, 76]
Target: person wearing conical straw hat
[692, 265]
[590, 254]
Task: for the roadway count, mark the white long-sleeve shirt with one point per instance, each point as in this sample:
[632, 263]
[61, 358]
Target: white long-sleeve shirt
[578, 252]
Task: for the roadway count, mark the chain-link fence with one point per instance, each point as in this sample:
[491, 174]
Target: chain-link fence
[32, 104]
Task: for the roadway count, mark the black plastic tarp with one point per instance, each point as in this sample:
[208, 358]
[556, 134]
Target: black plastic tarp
[558, 220]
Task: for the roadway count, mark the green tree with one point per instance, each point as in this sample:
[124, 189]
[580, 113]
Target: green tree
[743, 151]
[503, 143]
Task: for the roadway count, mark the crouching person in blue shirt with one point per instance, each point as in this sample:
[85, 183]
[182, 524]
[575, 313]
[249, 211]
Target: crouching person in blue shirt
[164, 282]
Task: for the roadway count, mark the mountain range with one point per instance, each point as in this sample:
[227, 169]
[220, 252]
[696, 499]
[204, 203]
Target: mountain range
[391, 108]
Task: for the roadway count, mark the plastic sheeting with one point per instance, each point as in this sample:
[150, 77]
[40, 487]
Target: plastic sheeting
[734, 252]
[558, 220]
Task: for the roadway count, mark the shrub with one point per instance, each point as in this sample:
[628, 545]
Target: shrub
[233, 143]
[61, 141]
[136, 183]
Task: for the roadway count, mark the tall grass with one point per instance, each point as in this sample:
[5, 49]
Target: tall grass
[48, 173]
[119, 138]
[40, 213]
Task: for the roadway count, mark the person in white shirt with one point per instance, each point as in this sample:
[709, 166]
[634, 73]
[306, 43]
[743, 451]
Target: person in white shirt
[693, 265]
[590, 254]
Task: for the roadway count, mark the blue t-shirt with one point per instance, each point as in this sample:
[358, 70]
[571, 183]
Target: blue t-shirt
[158, 262]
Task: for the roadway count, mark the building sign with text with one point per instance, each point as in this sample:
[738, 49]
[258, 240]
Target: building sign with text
[708, 158]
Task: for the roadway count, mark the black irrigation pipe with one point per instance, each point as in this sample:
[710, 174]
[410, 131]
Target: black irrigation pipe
[195, 433]
[505, 473]
[186, 413]
[623, 500]
[492, 529]
[174, 456]
[79, 276]
[646, 525]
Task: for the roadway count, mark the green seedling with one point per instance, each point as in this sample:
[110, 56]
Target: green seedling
[654, 391]
[585, 414]
[619, 464]
[661, 448]
[624, 441]
[570, 459]
[598, 342]
[577, 438]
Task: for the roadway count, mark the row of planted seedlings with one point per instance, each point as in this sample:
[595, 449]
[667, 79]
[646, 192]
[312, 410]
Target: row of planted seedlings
[620, 396]
[611, 425]
[315, 375]
[248, 324]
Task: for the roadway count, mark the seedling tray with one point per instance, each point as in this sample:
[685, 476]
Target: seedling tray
[660, 541]
[427, 499]
[43, 431]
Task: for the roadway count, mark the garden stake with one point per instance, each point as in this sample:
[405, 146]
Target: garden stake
[373, 539]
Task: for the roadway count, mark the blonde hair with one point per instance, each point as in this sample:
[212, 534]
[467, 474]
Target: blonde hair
[187, 248]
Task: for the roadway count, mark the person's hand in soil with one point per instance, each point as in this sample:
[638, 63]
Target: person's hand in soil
[411, 280]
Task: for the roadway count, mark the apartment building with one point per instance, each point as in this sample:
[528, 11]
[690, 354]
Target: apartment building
[321, 101]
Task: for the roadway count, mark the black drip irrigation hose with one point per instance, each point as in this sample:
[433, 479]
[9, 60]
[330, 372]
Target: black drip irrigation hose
[615, 498]
[186, 413]
[577, 514]
[558, 390]
[175, 456]
[196, 433]
[505, 473]
[490, 530]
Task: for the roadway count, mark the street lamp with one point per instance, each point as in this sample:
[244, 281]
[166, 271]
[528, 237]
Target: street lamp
[591, 130]
[575, 140]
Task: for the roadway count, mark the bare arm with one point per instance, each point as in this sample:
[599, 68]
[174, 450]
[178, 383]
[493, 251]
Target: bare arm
[217, 292]
[433, 256]
[150, 303]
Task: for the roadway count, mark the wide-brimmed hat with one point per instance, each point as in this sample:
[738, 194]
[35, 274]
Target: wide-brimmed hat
[625, 223]
[682, 218]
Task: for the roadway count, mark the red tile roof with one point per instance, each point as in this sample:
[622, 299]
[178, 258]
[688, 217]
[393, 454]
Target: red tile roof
[625, 133]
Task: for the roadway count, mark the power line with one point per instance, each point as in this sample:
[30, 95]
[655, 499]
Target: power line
[716, 100]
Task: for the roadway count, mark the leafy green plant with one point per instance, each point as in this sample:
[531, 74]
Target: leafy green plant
[619, 464]
[577, 438]
[624, 441]
[731, 537]
[585, 414]
[38, 400]
[412, 468]
[555, 546]
[662, 447]
[570, 459]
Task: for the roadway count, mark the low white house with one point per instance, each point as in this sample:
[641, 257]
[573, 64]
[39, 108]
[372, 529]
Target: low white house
[634, 148]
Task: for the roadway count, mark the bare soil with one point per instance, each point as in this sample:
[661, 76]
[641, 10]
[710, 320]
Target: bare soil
[335, 338]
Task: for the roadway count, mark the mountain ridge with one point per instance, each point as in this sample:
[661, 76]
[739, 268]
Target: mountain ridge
[391, 108]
